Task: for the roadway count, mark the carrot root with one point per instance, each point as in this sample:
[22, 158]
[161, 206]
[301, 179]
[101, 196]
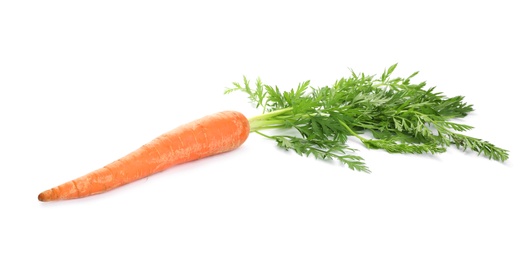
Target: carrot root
[217, 133]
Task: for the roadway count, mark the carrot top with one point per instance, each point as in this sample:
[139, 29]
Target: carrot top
[389, 113]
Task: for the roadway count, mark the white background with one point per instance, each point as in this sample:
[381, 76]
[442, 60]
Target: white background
[85, 82]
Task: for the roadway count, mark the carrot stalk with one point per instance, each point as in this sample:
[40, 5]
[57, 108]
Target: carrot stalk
[210, 135]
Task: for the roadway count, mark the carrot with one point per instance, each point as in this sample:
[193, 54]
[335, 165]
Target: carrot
[210, 135]
[391, 114]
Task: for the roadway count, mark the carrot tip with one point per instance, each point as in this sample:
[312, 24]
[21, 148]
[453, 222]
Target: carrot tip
[43, 197]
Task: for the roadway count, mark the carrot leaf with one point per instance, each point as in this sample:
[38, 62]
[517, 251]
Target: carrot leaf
[399, 116]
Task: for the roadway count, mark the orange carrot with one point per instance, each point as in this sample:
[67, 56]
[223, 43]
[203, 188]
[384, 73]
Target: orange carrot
[401, 116]
[210, 135]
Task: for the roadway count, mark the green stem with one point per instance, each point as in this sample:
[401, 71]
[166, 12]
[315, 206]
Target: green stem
[268, 120]
[265, 135]
[270, 114]
[351, 131]
[265, 124]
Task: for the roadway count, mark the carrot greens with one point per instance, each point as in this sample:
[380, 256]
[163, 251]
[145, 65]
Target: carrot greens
[389, 113]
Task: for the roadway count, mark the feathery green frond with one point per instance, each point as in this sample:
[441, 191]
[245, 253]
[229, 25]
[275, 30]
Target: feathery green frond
[401, 117]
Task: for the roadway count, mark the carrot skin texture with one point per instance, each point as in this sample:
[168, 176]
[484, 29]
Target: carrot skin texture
[213, 134]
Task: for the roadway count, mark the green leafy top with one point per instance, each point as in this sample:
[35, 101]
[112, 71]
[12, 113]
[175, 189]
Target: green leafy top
[400, 116]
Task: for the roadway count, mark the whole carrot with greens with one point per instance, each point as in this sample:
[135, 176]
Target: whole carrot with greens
[389, 113]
